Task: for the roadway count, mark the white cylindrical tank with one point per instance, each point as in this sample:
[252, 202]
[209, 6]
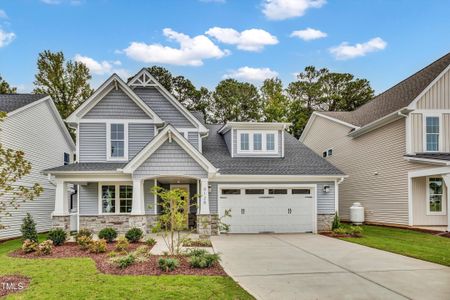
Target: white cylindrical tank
[357, 213]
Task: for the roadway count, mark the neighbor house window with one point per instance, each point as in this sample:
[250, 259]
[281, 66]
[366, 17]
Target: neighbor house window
[116, 198]
[66, 158]
[257, 142]
[328, 152]
[117, 141]
[435, 195]
[245, 141]
[432, 133]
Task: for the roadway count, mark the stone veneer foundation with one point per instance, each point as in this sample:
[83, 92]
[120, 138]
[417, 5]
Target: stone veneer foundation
[207, 225]
[324, 222]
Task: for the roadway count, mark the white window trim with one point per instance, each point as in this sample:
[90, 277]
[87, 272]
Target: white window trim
[424, 133]
[327, 155]
[444, 200]
[117, 185]
[264, 142]
[108, 141]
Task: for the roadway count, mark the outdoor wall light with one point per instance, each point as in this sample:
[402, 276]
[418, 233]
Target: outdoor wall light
[326, 188]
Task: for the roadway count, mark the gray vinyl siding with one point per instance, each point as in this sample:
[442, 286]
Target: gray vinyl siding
[89, 199]
[149, 198]
[227, 138]
[163, 108]
[193, 138]
[92, 143]
[116, 105]
[36, 131]
[325, 201]
[139, 135]
[235, 145]
[170, 159]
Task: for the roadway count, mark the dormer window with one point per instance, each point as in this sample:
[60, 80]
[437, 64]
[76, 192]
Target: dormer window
[257, 142]
[117, 141]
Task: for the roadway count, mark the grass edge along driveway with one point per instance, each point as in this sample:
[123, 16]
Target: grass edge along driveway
[78, 278]
[410, 243]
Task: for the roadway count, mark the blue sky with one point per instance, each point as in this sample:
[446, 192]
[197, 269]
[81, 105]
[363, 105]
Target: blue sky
[206, 40]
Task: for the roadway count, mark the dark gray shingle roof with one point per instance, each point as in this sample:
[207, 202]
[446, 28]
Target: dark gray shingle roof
[298, 160]
[395, 98]
[11, 102]
[85, 167]
[437, 156]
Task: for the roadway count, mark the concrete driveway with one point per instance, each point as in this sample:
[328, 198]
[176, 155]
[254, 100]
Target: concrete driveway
[307, 266]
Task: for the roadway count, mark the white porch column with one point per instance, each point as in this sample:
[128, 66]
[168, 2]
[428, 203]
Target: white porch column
[61, 199]
[447, 183]
[138, 205]
[204, 197]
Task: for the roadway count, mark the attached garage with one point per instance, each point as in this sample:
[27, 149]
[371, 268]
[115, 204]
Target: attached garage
[263, 208]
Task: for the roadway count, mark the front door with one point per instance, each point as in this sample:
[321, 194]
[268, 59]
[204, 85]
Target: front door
[184, 187]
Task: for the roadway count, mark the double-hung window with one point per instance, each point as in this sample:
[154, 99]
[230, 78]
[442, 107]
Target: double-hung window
[117, 141]
[257, 142]
[245, 142]
[435, 196]
[116, 198]
[432, 132]
[270, 141]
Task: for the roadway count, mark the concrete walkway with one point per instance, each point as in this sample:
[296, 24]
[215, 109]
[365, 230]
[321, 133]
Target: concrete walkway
[307, 266]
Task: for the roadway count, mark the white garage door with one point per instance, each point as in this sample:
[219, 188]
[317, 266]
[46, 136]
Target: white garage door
[267, 209]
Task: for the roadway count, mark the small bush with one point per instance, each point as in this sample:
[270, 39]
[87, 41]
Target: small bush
[142, 251]
[84, 242]
[197, 243]
[336, 222]
[28, 229]
[168, 264]
[58, 236]
[197, 252]
[83, 232]
[45, 248]
[125, 261]
[108, 234]
[200, 258]
[340, 230]
[150, 242]
[29, 246]
[356, 231]
[97, 246]
[134, 235]
[112, 254]
[122, 244]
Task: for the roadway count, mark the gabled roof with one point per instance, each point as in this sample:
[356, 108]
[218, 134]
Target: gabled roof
[168, 133]
[112, 82]
[397, 97]
[11, 102]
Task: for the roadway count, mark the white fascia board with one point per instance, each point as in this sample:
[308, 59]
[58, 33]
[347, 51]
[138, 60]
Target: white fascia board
[336, 120]
[171, 99]
[312, 119]
[99, 177]
[428, 161]
[271, 178]
[429, 172]
[43, 99]
[159, 139]
[254, 125]
[307, 127]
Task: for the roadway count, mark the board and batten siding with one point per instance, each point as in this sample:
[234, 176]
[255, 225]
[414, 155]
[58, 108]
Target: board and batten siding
[438, 96]
[139, 135]
[35, 131]
[163, 108]
[235, 145]
[325, 201]
[116, 105]
[420, 202]
[416, 132]
[446, 132]
[92, 142]
[170, 159]
[378, 172]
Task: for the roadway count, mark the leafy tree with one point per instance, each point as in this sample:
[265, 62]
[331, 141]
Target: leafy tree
[236, 101]
[163, 76]
[5, 88]
[66, 82]
[276, 102]
[13, 167]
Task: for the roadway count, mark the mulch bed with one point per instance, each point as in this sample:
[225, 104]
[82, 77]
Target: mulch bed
[149, 267]
[13, 284]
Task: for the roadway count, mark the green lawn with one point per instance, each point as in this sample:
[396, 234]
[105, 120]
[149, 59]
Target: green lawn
[78, 278]
[415, 244]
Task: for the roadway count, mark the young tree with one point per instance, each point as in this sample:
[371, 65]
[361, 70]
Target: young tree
[236, 101]
[13, 167]
[66, 82]
[276, 102]
[5, 88]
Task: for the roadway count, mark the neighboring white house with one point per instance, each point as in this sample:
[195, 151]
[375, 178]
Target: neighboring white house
[395, 149]
[34, 126]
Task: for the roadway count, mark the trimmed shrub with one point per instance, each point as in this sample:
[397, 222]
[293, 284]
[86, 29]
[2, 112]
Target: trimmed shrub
[200, 258]
[97, 246]
[197, 252]
[45, 248]
[134, 235]
[29, 246]
[108, 234]
[168, 264]
[142, 251]
[150, 242]
[58, 236]
[197, 243]
[84, 242]
[122, 244]
[336, 222]
[28, 229]
[125, 261]
[340, 230]
[83, 232]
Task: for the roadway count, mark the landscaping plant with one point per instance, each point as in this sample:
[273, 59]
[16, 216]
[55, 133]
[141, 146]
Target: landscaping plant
[167, 264]
[29, 246]
[122, 245]
[83, 232]
[150, 242]
[336, 222]
[108, 234]
[28, 229]
[125, 261]
[200, 258]
[84, 242]
[45, 248]
[97, 246]
[134, 235]
[58, 236]
[197, 243]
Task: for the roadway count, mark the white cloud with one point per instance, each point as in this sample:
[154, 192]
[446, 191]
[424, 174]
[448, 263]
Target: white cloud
[248, 40]
[102, 67]
[251, 74]
[286, 9]
[192, 50]
[308, 34]
[3, 14]
[346, 51]
[51, 2]
[6, 38]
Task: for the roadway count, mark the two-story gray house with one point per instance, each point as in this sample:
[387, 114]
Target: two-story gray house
[132, 136]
